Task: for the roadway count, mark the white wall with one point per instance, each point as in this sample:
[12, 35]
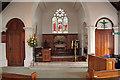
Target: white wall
[0, 26]
[93, 12]
[81, 28]
[38, 22]
[49, 13]
[119, 35]
[21, 10]
[0, 42]
[97, 10]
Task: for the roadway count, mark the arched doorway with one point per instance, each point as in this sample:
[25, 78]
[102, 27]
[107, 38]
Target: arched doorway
[15, 45]
[104, 40]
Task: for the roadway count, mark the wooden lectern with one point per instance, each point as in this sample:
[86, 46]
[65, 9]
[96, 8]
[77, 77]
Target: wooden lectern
[46, 55]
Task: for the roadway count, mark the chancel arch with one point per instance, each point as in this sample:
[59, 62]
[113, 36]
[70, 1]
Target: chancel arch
[15, 44]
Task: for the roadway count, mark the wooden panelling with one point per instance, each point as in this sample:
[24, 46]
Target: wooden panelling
[50, 39]
[104, 42]
[68, 39]
[98, 63]
[46, 55]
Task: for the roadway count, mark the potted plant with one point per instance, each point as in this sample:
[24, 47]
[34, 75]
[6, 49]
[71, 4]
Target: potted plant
[33, 41]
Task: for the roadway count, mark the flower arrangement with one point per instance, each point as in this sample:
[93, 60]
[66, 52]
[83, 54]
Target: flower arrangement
[33, 41]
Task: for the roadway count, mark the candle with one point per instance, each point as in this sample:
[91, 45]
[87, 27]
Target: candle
[72, 44]
[77, 45]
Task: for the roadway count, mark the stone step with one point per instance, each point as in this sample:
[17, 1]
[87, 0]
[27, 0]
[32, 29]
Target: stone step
[63, 59]
[55, 65]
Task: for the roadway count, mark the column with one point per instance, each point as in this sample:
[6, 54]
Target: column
[91, 40]
[82, 41]
[0, 48]
[119, 31]
[115, 41]
[0, 41]
[28, 49]
[3, 59]
[0, 54]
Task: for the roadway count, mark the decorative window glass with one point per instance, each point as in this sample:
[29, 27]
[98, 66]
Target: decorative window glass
[104, 23]
[60, 22]
[54, 25]
[65, 25]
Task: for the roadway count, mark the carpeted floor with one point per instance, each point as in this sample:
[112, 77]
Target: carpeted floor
[80, 72]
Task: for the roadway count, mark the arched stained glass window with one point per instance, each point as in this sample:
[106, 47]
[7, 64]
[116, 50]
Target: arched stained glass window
[60, 22]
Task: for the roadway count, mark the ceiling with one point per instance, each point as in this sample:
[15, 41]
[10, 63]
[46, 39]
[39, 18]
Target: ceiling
[4, 4]
[116, 5]
[50, 5]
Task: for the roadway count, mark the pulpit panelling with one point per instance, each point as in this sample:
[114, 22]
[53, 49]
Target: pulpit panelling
[46, 55]
[50, 40]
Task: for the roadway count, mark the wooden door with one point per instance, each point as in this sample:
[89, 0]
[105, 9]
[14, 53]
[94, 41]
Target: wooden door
[15, 43]
[104, 42]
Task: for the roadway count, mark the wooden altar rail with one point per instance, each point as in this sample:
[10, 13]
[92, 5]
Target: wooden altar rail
[12, 76]
[98, 63]
[104, 74]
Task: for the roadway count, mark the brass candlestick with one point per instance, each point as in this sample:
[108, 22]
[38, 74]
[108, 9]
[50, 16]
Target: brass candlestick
[74, 45]
[75, 51]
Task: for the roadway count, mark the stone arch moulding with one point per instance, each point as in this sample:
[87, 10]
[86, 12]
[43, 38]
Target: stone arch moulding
[115, 38]
[15, 36]
[9, 21]
[106, 19]
[5, 22]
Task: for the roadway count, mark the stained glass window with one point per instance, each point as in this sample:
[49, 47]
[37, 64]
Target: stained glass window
[65, 25]
[54, 25]
[60, 22]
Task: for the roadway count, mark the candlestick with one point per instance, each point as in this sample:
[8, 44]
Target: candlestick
[75, 51]
[72, 44]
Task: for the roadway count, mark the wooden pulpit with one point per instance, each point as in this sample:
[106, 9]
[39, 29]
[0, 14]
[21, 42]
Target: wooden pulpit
[46, 55]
